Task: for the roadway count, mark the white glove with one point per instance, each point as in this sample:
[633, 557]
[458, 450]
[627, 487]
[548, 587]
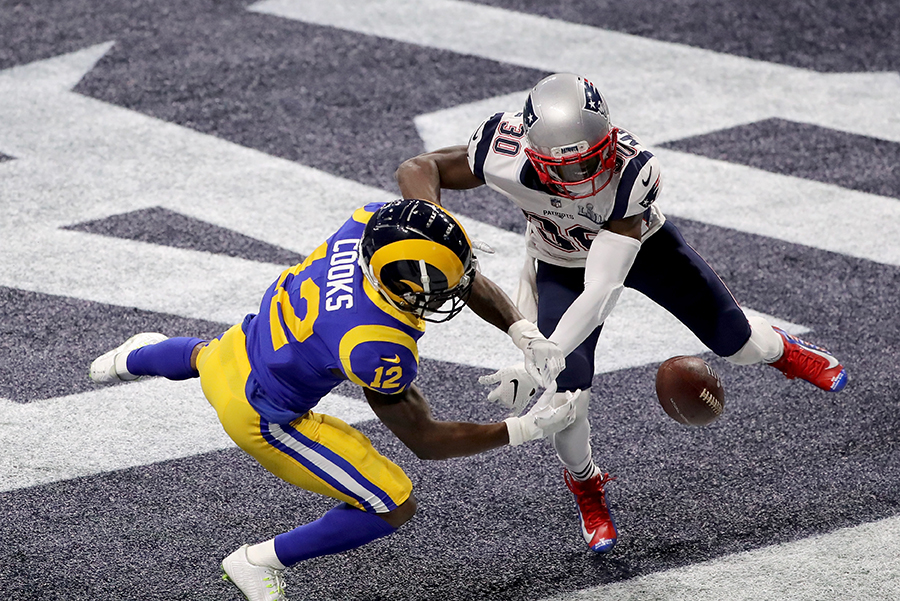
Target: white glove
[543, 358]
[543, 419]
[515, 387]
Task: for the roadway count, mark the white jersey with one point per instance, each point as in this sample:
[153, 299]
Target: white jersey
[560, 230]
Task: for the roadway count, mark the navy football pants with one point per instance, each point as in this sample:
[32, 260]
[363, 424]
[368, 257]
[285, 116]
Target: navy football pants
[670, 273]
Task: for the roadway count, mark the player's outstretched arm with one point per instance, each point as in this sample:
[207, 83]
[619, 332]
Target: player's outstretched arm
[488, 301]
[543, 359]
[611, 256]
[423, 176]
[408, 416]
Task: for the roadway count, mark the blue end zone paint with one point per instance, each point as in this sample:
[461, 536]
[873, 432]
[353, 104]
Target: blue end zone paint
[830, 37]
[48, 342]
[334, 100]
[256, 80]
[158, 225]
[808, 151]
[783, 463]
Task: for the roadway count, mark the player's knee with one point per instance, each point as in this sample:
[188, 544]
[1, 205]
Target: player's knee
[764, 344]
[578, 374]
[195, 353]
[402, 514]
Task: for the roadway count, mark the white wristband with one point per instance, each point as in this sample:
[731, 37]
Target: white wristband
[522, 332]
[516, 431]
[522, 429]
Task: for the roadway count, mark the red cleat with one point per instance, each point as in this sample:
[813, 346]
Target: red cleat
[597, 525]
[811, 363]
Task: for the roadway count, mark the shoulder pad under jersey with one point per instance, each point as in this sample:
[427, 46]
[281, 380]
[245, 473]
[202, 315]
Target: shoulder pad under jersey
[502, 133]
[640, 183]
[379, 357]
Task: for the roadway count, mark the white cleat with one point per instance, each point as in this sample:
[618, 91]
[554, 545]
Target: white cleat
[258, 583]
[110, 367]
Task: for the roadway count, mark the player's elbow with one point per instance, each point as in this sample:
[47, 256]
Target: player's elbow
[429, 451]
[411, 167]
[429, 446]
[429, 456]
[400, 173]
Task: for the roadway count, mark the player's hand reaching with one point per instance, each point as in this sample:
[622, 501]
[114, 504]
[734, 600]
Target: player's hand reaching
[543, 419]
[544, 360]
[514, 389]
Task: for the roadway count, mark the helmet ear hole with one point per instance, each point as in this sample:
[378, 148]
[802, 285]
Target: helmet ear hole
[419, 257]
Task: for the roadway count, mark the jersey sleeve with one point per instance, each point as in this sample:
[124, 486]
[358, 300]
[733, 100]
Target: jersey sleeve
[639, 186]
[381, 358]
[480, 144]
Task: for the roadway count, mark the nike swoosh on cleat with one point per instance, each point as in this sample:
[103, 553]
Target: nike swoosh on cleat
[602, 545]
[832, 361]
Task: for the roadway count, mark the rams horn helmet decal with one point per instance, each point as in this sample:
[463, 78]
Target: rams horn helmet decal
[419, 258]
[570, 140]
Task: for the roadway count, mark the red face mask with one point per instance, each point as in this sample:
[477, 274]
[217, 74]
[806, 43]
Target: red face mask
[578, 174]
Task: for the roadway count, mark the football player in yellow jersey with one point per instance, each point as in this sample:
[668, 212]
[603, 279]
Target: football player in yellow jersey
[353, 310]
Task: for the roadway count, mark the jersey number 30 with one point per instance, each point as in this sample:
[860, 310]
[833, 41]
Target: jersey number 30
[508, 143]
[573, 239]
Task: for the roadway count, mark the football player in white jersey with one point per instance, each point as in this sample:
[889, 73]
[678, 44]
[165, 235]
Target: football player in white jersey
[589, 191]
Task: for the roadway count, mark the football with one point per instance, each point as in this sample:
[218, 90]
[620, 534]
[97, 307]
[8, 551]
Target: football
[690, 391]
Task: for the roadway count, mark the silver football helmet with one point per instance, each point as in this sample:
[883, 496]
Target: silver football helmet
[570, 140]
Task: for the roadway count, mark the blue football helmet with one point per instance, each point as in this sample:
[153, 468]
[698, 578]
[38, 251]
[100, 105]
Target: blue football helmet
[419, 257]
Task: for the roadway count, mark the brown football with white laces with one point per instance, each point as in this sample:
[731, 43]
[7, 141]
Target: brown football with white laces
[690, 391]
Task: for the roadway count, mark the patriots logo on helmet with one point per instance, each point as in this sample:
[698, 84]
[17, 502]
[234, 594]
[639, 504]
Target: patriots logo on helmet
[528, 115]
[593, 101]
